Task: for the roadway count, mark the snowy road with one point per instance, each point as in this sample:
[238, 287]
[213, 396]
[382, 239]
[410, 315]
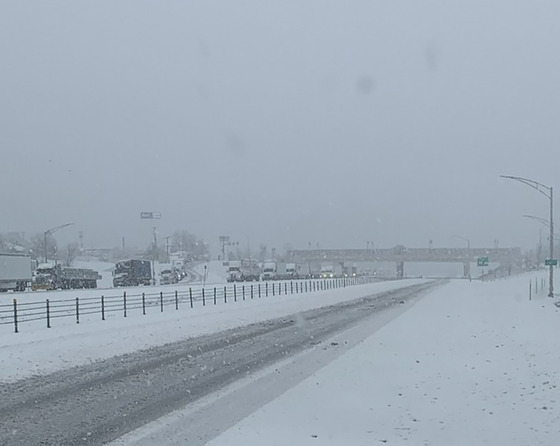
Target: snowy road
[100, 402]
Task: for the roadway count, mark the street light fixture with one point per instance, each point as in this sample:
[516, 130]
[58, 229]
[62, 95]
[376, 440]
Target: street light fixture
[50, 232]
[468, 244]
[548, 193]
[542, 221]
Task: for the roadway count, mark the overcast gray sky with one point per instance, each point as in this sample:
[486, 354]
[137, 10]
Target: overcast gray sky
[330, 122]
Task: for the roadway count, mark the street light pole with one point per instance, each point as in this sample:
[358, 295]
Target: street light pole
[468, 253]
[50, 232]
[547, 191]
[551, 271]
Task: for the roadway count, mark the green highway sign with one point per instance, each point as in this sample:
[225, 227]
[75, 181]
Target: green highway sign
[482, 261]
[551, 262]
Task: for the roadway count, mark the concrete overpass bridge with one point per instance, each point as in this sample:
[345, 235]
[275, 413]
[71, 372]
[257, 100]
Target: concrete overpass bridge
[506, 257]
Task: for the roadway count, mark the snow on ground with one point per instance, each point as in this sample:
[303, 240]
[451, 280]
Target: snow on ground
[214, 269]
[471, 363]
[38, 350]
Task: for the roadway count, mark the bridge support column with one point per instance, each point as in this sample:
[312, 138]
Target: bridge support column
[467, 270]
[400, 270]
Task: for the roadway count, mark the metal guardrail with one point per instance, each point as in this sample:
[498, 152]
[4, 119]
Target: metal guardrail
[49, 310]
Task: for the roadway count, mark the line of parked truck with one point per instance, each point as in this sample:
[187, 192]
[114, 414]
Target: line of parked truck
[19, 272]
[251, 270]
[16, 273]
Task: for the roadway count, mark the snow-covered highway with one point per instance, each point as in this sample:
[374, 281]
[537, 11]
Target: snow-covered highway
[97, 402]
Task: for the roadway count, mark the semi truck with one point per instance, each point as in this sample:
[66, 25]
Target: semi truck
[243, 270]
[15, 272]
[273, 270]
[234, 271]
[331, 270]
[55, 276]
[132, 273]
[349, 271]
[269, 271]
[298, 271]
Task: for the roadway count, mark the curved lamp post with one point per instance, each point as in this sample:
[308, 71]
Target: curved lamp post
[547, 192]
[50, 232]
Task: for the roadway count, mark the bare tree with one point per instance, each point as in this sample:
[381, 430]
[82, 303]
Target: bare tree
[185, 241]
[38, 247]
[72, 250]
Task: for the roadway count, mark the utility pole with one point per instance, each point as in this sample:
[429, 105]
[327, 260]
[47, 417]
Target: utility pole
[50, 232]
[547, 191]
[167, 245]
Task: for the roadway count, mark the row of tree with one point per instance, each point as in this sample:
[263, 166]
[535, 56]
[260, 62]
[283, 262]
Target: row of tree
[182, 240]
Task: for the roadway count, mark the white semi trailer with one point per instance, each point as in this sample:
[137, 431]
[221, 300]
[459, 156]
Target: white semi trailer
[243, 270]
[15, 272]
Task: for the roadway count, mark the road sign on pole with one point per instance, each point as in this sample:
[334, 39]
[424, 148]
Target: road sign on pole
[551, 262]
[482, 261]
[150, 215]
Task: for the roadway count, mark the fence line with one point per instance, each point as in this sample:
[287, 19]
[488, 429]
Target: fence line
[48, 310]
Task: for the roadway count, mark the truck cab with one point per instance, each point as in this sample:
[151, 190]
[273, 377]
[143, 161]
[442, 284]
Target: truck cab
[269, 271]
[234, 271]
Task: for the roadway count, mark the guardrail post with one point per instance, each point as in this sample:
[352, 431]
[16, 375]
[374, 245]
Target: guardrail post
[259, 290]
[273, 288]
[243, 290]
[102, 308]
[251, 291]
[203, 298]
[530, 286]
[48, 315]
[77, 310]
[144, 304]
[176, 300]
[266, 289]
[537, 286]
[124, 303]
[15, 316]
[161, 300]
[234, 293]
[285, 288]
[190, 296]
[225, 295]
[291, 287]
